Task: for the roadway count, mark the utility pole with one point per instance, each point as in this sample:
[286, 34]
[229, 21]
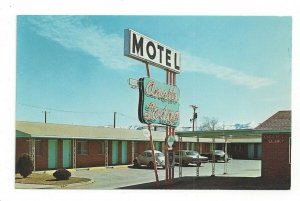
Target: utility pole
[115, 119]
[194, 115]
[45, 116]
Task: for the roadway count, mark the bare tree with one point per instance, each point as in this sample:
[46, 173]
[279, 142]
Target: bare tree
[210, 124]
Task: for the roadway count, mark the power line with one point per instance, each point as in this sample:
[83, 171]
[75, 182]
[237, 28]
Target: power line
[60, 110]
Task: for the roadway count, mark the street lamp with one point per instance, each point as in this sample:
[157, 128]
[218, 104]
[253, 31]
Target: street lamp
[194, 115]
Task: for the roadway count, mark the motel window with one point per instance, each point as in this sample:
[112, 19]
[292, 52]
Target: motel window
[82, 147]
[101, 148]
[38, 147]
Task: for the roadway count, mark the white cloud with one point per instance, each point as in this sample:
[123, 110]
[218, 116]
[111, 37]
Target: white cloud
[193, 63]
[72, 33]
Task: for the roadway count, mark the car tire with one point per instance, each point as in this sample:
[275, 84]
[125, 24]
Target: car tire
[150, 165]
[185, 164]
[136, 164]
[199, 164]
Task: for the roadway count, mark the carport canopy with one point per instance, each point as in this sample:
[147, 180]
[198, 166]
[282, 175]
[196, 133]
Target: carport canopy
[225, 134]
[232, 134]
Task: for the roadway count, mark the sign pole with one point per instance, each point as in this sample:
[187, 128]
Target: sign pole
[173, 82]
[166, 155]
[151, 140]
[166, 142]
[147, 69]
[153, 156]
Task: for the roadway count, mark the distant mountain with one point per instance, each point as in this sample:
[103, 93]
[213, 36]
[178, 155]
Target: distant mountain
[236, 126]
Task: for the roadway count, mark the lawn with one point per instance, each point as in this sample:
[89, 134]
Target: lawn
[47, 179]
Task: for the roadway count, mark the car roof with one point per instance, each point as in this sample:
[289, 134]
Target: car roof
[155, 151]
[187, 150]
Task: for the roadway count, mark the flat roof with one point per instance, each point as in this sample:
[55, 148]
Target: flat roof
[233, 134]
[64, 131]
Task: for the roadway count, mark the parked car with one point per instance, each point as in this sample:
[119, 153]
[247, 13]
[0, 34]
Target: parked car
[189, 156]
[220, 155]
[146, 159]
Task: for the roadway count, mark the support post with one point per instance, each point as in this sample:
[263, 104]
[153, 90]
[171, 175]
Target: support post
[198, 164]
[74, 153]
[33, 152]
[180, 157]
[132, 150]
[106, 153]
[225, 158]
[213, 159]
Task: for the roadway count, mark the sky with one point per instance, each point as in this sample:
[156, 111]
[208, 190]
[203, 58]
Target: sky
[235, 69]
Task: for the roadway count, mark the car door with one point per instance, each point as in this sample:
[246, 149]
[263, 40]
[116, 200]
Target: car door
[142, 158]
[149, 158]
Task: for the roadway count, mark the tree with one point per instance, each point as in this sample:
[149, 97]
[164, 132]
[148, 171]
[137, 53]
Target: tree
[24, 165]
[210, 124]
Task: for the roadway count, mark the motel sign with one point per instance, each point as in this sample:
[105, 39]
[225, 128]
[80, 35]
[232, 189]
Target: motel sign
[144, 49]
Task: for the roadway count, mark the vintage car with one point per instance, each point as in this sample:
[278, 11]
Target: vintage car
[189, 156]
[220, 155]
[146, 159]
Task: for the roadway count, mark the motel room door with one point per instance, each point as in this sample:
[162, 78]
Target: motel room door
[115, 153]
[52, 154]
[124, 152]
[67, 157]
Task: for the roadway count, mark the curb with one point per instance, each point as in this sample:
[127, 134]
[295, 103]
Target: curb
[82, 169]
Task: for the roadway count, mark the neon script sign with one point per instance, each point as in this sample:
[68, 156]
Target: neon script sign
[158, 103]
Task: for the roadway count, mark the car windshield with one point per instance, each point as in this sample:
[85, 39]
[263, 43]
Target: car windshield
[191, 153]
[159, 154]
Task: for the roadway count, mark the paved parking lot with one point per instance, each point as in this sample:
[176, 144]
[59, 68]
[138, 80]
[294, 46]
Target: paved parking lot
[112, 178]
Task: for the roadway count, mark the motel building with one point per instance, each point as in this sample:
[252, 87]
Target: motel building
[54, 146]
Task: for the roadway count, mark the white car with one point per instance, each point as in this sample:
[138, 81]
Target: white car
[146, 159]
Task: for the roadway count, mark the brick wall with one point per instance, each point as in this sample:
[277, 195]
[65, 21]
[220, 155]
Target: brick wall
[22, 146]
[276, 167]
[129, 152]
[41, 161]
[93, 158]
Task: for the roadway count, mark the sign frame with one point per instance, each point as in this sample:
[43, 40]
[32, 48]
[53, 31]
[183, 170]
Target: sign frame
[160, 107]
[145, 49]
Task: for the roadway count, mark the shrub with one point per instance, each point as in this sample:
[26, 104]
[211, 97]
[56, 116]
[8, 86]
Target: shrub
[24, 165]
[62, 174]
